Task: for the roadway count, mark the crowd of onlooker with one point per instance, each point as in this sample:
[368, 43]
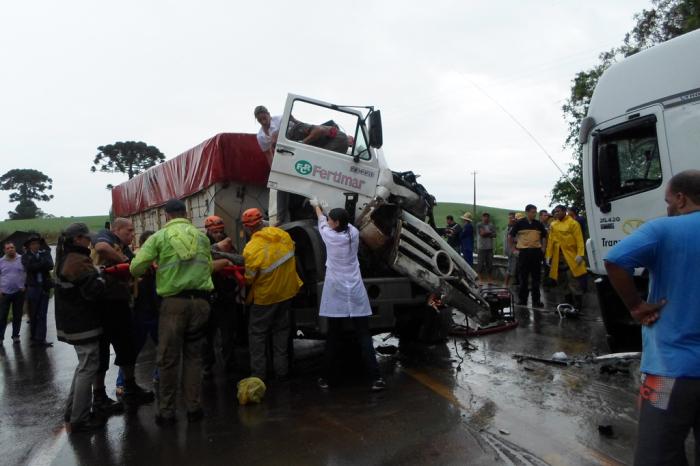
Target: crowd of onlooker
[535, 243]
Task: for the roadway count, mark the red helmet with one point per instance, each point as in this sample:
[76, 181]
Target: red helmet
[252, 217]
[214, 223]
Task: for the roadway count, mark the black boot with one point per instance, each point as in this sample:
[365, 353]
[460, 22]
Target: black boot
[135, 395]
[569, 299]
[578, 302]
[104, 406]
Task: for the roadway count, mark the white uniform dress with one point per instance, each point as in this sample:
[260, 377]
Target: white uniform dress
[344, 294]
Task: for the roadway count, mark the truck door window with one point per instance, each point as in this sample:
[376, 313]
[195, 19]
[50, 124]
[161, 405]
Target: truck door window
[627, 159]
[331, 129]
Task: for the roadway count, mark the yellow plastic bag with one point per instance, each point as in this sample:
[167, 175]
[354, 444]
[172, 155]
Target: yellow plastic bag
[251, 390]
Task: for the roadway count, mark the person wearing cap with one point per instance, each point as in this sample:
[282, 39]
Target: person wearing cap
[466, 238]
[12, 289]
[269, 129]
[79, 286]
[528, 238]
[272, 281]
[110, 249]
[565, 256]
[183, 280]
[225, 301]
[38, 264]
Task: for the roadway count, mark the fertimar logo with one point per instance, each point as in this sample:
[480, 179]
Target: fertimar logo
[303, 167]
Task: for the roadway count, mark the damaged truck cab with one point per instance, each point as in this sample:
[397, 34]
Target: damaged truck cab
[333, 153]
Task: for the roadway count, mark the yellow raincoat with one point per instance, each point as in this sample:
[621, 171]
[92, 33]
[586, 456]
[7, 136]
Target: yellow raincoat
[565, 235]
[270, 267]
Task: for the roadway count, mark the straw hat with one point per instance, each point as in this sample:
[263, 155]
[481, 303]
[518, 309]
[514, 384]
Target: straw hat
[519, 216]
[467, 216]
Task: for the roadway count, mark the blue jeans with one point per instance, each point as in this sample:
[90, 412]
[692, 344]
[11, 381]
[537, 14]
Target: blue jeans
[143, 327]
[468, 255]
[38, 300]
[16, 302]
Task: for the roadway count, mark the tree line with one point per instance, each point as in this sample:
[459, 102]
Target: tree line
[28, 185]
[665, 20]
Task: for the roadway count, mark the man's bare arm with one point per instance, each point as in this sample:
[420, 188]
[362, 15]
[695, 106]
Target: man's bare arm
[315, 133]
[108, 253]
[641, 311]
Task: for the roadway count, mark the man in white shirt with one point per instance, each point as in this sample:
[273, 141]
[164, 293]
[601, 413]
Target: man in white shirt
[269, 129]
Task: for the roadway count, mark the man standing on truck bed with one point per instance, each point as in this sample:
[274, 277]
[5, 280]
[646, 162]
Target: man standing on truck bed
[269, 129]
[668, 248]
[272, 280]
[111, 248]
[183, 279]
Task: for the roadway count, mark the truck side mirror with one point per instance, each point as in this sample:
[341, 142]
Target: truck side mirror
[376, 139]
[608, 173]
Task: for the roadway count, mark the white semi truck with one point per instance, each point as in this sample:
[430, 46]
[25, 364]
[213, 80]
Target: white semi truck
[403, 259]
[642, 127]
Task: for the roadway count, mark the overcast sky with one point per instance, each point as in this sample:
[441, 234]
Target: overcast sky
[80, 74]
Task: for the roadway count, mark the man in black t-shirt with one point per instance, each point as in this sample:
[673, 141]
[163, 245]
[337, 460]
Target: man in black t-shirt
[528, 241]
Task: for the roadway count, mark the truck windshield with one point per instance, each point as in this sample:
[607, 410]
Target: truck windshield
[630, 152]
[331, 129]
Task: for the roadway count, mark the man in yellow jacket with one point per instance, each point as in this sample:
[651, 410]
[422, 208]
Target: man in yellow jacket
[272, 281]
[565, 250]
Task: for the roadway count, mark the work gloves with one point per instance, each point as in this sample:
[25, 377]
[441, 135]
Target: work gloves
[578, 260]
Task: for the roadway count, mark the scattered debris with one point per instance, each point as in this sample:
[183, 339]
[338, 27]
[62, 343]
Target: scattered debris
[605, 357]
[560, 356]
[524, 357]
[504, 432]
[606, 431]
[567, 310]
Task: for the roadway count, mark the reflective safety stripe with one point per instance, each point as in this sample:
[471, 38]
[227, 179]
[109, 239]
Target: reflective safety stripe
[185, 262]
[80, 336]
[277, 263]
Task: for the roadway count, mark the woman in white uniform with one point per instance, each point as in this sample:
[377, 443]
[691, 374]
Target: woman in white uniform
[344, 296]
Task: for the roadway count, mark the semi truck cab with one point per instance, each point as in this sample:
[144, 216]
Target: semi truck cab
[642, 127]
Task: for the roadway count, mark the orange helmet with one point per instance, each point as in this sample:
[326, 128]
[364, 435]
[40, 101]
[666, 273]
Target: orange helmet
[214, 223]
[252, 217]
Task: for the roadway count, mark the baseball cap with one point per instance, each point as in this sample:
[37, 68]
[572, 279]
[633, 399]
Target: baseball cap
[175, 205]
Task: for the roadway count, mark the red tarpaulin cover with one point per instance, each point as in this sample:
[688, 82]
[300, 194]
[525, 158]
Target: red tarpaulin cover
[225, 157]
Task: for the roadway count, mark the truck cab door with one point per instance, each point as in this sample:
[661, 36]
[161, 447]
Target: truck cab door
[323, 151]
[627, 168]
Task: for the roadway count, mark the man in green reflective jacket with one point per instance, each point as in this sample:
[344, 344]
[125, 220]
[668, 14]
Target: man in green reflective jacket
[183, 278]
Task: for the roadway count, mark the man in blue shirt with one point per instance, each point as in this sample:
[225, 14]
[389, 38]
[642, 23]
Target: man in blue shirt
[669, 249]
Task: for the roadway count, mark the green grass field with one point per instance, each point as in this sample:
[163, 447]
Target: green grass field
[499, 217]
[50, 228]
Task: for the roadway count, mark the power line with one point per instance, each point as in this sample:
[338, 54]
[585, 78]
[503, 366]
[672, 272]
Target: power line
[517, 122]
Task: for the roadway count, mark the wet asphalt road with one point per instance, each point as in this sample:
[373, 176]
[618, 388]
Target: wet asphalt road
[452, 403]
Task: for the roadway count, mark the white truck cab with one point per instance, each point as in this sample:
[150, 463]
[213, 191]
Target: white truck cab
[642, 127]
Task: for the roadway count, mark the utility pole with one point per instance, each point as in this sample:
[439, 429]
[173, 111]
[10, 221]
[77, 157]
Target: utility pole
[474, 206]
